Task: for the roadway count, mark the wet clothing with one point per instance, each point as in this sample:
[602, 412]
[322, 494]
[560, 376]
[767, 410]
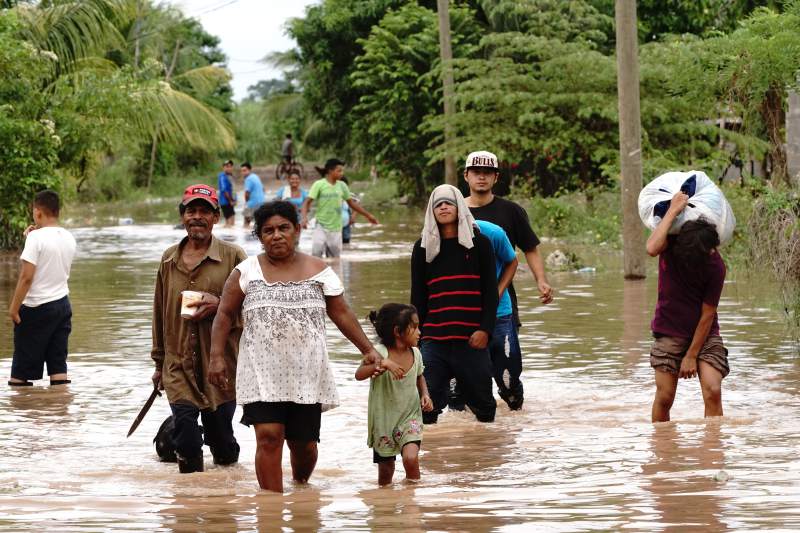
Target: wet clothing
[682, 291]
[283, 356]
[216, 433]
[41, 339]
[327, 243]
[667, 353]
[507, 361]
[455, 294]
[377, 458]
[301, 422]
[394, 412]
[472, 369]
[181, 347]
[328, 198]
[514, 220]
[227, 211]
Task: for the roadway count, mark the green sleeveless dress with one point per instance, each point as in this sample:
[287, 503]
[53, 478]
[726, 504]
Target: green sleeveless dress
[395, 414]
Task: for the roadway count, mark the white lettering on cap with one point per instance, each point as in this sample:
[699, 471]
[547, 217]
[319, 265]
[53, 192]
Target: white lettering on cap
[200, 190]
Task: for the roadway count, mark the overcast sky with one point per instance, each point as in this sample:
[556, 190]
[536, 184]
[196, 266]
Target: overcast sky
[248, 30]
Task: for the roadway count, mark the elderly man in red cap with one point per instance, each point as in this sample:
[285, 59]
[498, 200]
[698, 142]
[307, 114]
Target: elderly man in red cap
[189, 283]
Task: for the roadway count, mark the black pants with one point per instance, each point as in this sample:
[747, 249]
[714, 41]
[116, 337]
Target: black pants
[473, 370]
[217, 432]
[41, 339]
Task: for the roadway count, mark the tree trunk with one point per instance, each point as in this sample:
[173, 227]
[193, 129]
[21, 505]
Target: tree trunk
[630, 138]
[793, 139]
[446, 53]
[775, 120]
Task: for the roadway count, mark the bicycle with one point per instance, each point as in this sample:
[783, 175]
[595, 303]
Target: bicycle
[287, 166]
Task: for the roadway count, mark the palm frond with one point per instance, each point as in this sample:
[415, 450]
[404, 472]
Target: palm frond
[203, 80]
[179, 118]
[75, 30]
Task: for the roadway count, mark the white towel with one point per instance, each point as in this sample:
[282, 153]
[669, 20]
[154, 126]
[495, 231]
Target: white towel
[431, 240]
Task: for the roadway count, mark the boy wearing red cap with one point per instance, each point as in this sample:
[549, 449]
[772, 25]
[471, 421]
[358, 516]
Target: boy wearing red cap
[181, 346]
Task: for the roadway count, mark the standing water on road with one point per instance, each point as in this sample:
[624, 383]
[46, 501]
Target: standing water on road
[581, 455]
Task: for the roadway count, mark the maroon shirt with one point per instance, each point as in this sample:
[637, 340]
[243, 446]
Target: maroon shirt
[682, 292]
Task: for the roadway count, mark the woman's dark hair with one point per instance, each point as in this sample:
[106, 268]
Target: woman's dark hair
[270, 209]
[294, 172]
[330, 164]
[693, 244]
[391, 316]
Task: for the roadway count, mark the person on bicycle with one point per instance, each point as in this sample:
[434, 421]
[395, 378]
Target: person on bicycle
[287, 150]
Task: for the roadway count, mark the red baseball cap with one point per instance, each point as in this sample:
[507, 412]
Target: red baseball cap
[201, 192]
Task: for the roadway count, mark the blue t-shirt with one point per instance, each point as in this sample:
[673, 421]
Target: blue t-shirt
[503, 254]
[224, 185]
[252, 185]
[286, 191]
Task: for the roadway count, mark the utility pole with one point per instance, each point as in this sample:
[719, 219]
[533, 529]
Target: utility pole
[793, 139]
[630, 138]
[446, 52]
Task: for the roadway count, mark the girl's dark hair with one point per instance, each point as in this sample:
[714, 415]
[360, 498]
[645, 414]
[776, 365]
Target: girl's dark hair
[270, 209]
[330, 164]
[391, 316]
[694, 243]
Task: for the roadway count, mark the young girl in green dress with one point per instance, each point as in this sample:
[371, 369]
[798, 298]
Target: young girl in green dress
[397, 393]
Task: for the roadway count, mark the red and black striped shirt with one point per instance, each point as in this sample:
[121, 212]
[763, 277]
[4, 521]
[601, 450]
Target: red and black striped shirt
[455, 294]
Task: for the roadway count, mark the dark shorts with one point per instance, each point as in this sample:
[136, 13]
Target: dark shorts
[301, 422]
[667, 353]
[227, 211]
[381, 459]
[41, 339]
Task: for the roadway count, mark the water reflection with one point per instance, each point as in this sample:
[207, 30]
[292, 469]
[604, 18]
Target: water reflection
[687, 462]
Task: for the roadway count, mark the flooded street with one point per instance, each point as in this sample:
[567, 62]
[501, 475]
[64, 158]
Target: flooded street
[581, 455]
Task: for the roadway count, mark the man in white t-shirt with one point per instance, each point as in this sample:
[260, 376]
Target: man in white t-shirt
[40, 308]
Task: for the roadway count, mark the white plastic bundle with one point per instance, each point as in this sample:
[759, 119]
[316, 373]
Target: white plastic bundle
[707, 202]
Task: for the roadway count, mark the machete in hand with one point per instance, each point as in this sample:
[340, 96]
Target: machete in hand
[144, 410]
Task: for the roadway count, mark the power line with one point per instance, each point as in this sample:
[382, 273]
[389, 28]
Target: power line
[216, 8]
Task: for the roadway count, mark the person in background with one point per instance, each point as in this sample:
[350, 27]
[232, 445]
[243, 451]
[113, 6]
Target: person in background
[687, 341]
[287, 150]
[253, 192]
[329, 193]
[182, 346]
[481, 174]
[227, 198]
[292, 192]
[40, 308]
[348, 217]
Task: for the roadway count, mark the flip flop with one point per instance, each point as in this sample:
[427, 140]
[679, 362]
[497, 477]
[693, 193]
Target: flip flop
[20, 384]
[59, 381]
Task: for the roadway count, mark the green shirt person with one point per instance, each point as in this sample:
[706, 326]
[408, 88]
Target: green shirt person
[329, 193]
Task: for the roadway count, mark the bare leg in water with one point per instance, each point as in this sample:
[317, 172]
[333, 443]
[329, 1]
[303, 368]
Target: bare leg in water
[666, 385]
[711, 385]
[303, 456]
[269, 452]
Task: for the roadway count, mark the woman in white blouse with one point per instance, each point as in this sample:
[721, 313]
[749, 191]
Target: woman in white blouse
[283, 377]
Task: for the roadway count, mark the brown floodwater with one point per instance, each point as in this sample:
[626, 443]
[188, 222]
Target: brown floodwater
[581, 455]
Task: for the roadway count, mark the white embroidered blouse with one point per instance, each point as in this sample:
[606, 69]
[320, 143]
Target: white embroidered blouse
[283, 354]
